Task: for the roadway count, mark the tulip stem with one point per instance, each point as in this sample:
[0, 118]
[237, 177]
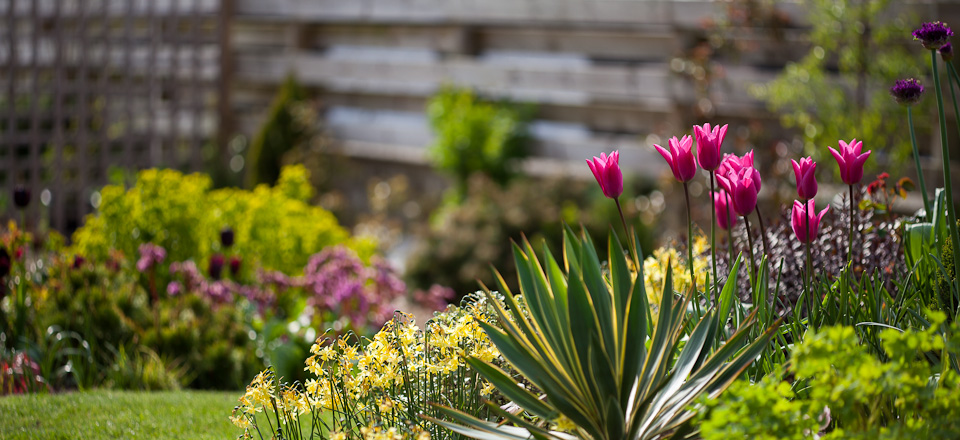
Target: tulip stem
[693, 278]
[807, 281]
[763, 233]
[850, 245]
[629, 233]
[916, 159]
[753, 266]
[729, 233]
[945, 148]
[713, 236]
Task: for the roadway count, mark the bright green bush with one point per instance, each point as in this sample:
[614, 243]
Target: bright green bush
[275, 227]
[477, 136]
[844, 391]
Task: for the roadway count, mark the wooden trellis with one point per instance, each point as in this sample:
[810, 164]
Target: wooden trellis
[87, 86]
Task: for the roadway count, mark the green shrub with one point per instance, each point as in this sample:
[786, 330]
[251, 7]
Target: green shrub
[844, 391]
[477, 136]
[280, 132]
[275, 227]
[465, 239]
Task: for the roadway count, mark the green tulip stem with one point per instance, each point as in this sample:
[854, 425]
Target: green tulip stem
[916, 159]
[729, 230]
[753, 264]
[850, 238]
[945, 148]
[629, 235]
[807, 281]
[713, 236]
[693, 278]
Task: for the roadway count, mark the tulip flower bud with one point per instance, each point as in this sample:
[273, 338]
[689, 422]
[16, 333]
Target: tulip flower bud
[215, 269]
[21, 196]
[606, 169]
[708, 145]
[680, 158]
[226, 237]
[806, 178]
[850, 161]
[805, 220]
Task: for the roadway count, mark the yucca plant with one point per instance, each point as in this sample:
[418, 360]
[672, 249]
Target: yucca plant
[588, 342]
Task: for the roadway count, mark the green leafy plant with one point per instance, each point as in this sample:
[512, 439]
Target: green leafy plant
[477, 136]
[589, 345]
[851, 38]
[841, 390]
[275, 227]
[280, 132]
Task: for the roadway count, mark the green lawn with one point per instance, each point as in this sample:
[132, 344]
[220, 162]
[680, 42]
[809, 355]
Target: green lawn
[117, 414]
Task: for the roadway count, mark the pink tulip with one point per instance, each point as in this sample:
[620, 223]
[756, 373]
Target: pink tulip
[806, 180]
[680, 158]
[743, 188]
[850, 161]
[732, 162]
[708, 145]
[806, 221]
[606, 169]
[726, 216]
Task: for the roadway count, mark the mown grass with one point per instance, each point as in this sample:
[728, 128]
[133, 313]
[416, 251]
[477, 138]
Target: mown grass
[117, 414]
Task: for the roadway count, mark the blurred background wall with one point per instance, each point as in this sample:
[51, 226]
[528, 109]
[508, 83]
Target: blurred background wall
[95, 88]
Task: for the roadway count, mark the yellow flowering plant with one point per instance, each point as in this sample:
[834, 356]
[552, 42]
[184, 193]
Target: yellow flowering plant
[377, 388]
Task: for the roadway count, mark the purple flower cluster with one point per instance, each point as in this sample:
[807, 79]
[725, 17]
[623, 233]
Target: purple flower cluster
[338, 282]
[906, 91]
[435, 298]
[933, 35]
[150, 256]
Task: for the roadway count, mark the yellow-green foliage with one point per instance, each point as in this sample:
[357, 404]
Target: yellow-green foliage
[274, 226]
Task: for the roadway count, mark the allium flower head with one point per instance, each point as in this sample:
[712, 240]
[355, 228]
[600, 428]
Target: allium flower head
[680, 158]
[906, 91]
[215, 269]
[21, 196]
[933, 35]
[606, 169]
[226, 237]
[946, 52]
[150, 255]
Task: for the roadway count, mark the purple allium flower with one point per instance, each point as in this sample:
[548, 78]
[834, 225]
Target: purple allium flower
[906, 91]
[150, 255]
[21, 196]
[226, 237]
[234, 266]
[4, 262]
[215, 269]
[174, 288]
[933, 35]
[946, 52]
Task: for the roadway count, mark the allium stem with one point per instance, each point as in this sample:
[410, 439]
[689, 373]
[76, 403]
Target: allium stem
[945, 148]
[916, 160]
[713, 235]
[693, 278]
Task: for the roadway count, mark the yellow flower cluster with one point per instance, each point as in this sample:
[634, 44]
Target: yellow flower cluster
[655, 269]
[384, 379]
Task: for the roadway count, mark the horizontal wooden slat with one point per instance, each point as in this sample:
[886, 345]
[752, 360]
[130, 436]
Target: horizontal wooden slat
[648, 86]
[629, 13]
